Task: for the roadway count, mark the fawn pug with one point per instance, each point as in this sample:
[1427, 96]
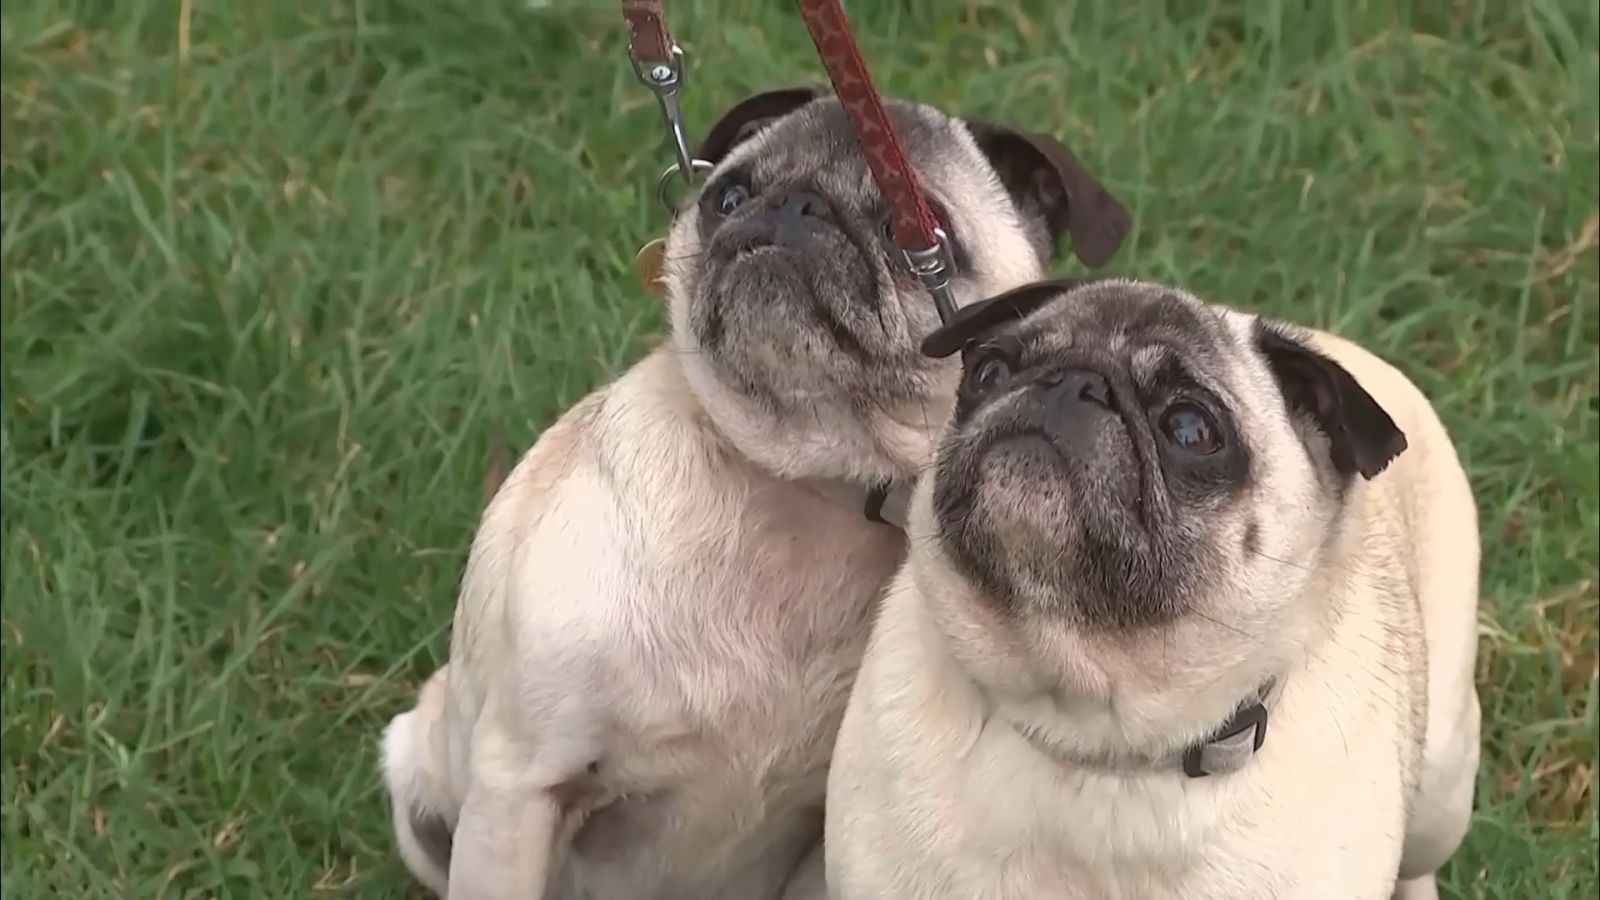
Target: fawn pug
[1189, 612]
[666, 602]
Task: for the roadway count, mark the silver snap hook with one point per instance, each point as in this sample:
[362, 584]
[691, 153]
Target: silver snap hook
[664, 184]
[666, 81]
[933, 267]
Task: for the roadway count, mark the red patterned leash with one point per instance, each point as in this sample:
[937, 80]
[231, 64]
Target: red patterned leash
[916, 228]
[659, 64]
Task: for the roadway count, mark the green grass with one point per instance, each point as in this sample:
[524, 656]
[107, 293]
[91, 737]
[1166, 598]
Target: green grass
[265, 299]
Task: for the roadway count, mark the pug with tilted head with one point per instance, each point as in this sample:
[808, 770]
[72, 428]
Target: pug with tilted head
[667, 599]
[1189, 612]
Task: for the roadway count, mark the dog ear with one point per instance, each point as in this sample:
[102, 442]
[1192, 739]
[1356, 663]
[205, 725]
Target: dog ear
[748, 116]
[978, 319]
[1361, 436]
[1046, 181]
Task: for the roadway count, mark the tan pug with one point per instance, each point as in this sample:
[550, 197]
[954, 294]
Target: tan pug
[1189, 612]
[667, 600]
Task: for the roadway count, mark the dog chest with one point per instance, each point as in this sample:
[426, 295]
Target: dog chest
[733, 663]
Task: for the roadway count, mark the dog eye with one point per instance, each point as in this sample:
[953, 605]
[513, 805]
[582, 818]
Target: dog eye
[1191, 429]
[732, 196]
[886, 228]
[989, 372]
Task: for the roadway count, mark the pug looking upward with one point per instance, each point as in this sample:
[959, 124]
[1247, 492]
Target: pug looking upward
[1189, 612]
[666, 602]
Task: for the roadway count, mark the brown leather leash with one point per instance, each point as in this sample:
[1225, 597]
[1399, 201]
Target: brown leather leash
[659, 64]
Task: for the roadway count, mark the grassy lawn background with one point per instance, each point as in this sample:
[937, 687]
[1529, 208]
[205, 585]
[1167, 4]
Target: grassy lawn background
[270, 282]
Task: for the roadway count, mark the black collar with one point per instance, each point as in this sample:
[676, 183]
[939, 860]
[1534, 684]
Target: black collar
[884, 503]
[1228, 749]
[878, 502]
[1231, 747]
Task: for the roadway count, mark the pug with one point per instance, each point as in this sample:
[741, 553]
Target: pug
[666, 601]
[1189, 612]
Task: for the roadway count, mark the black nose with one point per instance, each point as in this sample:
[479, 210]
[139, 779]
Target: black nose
[797, 205]
[1067, 391]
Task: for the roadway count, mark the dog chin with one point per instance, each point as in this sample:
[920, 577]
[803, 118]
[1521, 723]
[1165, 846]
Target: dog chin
[1028, 485]
[1015, 465]
[762, 272]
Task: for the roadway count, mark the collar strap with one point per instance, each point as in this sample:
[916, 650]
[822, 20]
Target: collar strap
[886, 502]
[1228, 749]
[1231, 747]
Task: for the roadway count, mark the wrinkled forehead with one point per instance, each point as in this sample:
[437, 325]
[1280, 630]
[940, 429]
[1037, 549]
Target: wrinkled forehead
[1144, 325]
[816, 142]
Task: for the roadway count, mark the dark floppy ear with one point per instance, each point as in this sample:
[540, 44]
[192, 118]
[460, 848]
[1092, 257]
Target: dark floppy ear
[978, 319]
[1046, 180]
[747, 116]
[1361, 436]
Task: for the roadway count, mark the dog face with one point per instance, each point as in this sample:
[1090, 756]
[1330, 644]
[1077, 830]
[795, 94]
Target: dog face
[1139, 489]
[796, 319]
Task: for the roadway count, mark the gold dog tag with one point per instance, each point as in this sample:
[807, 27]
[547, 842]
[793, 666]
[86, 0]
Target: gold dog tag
[647, 265]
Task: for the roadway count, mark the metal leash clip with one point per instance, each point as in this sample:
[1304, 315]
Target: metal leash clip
[933, 267]
[664, 183]
[666, 81]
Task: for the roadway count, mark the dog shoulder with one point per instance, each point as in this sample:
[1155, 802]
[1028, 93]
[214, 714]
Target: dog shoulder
[577, 493]
[1424, 522]
[516, 511]
[549, 600]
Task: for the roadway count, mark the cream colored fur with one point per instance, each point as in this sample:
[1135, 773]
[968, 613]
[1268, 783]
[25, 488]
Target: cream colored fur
[1367, 770]
[662, 645]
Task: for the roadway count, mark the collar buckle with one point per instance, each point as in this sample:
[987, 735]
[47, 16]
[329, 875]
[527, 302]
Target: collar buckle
[1231, 748]
[877, 499]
